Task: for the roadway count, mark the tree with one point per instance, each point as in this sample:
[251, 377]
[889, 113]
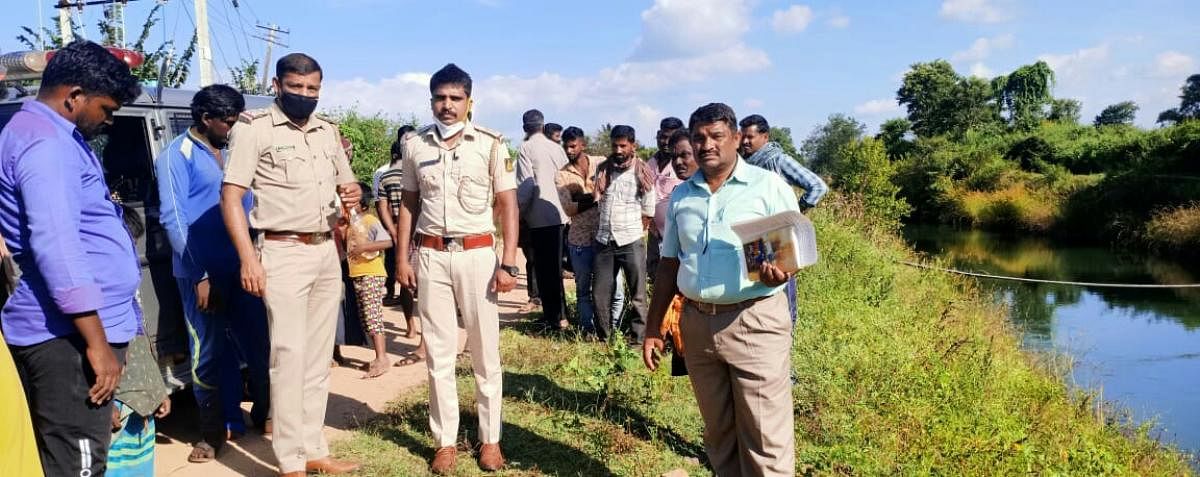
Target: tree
[1024, 93]
[1064, 110]
[783, 137]
[821, 147]
[601, 143]
[939, 101]
[862, 168]
[1120, 113]
[892, 133]
[161, 61]
[1189, 103]
[245, 78]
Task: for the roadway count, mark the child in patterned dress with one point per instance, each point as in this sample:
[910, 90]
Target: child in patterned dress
[365, 243]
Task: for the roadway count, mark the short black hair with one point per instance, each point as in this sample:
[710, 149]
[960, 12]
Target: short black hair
[671, 123]
[217, 101]
[622, 131]
[403, 131]
[94, 70]
[297, 63]
[368, 195]
[759, 123]
[450, 74]
[551, 128]
[397, 147]
[681, 134]
[572, 133]
[713, 113]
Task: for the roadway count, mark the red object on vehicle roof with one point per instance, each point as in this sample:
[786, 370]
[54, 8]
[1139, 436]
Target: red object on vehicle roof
[25, 65]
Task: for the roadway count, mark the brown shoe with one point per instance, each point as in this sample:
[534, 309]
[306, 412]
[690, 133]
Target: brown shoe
[443, 460]
[330, 466]
[490, 458]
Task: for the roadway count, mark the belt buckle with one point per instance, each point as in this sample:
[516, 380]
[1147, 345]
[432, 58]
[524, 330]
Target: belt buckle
[452, 244]
[317, 238]
[706, 308]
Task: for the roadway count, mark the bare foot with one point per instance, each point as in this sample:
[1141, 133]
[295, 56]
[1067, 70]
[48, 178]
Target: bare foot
[410, 333]
[377, 368]
[202, 452]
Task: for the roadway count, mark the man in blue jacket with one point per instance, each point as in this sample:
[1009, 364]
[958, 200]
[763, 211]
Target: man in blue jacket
[225, 324]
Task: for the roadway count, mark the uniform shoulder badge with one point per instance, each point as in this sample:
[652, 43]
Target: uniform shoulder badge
[488, 132]
[248, 116]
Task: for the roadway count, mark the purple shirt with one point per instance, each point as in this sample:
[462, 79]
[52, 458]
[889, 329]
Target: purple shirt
[66, 235]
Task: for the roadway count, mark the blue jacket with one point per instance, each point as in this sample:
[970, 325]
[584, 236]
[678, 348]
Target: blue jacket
[189, 188]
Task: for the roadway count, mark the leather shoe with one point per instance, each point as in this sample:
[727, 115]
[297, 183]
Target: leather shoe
[330, 466]
[490, 457]
[443, 460]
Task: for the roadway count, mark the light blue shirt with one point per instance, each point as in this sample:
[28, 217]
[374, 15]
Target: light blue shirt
[698, 232]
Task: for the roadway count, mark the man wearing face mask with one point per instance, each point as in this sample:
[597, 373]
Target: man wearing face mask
[73, 311]
[294, 163]
[222, 318]
[453, 171]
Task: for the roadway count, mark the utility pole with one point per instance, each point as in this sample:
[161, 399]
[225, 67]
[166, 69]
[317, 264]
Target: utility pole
[64, 23]
[203, 48]
[271, 29]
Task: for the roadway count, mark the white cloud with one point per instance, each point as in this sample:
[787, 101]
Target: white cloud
[622, 93]
[878, 107]
[837, 20]
[686, 28]
[1074, 64]
[1173, 64]
[980, 70]
[975, 11]
[753, 103]
[793, 20]
[983, 47]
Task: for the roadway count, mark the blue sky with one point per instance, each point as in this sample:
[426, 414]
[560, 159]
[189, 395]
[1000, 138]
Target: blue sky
[624, 61]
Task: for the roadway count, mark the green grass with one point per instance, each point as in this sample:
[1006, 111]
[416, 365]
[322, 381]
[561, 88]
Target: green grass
[901, 372]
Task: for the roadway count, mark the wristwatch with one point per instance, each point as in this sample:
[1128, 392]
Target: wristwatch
[511, 270]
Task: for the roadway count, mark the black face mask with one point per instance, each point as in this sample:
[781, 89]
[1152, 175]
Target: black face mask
[296, 106]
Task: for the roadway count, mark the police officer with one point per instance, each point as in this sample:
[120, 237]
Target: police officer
[294, 163]
[452, 171]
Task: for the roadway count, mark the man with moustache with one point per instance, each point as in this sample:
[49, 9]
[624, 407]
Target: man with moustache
[222, 319]
[73, 311]
[294, 163]
[453, 171]
[736, 332]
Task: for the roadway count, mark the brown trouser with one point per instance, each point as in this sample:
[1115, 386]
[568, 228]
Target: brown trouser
[451, 282]
[304, 290]
[739, 362]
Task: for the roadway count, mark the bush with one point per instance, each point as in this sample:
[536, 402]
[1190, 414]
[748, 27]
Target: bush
[863, 168]
[372, 137]
[1176, 229]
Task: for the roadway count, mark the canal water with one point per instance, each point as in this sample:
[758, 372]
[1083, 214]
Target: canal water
[1139, 347]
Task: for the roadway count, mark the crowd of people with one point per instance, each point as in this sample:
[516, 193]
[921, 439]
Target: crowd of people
[280, 253]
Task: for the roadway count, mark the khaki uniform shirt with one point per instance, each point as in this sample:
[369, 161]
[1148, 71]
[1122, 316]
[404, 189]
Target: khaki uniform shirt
[457, 185]
[293, 171]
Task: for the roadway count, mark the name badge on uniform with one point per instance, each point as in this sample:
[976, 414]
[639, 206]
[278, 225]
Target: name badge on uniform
[285, 148]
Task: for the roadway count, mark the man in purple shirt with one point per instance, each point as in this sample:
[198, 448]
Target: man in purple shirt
[73, 310]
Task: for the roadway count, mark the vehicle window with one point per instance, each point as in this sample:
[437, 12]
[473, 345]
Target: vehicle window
[124, 152]
[179, 123]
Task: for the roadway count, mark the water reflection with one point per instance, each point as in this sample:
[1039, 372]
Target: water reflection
[1139, 346]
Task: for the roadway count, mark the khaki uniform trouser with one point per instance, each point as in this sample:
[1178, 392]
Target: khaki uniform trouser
[448, 283]
[739, 365]
[303, 293]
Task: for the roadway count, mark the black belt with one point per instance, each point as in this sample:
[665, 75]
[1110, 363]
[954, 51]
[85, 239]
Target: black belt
[718, 308]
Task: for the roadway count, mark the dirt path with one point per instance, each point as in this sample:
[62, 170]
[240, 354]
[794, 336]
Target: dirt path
[352, 400]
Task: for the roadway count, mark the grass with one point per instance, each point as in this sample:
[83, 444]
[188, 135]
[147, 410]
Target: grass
[900, 372]
[1176, 229]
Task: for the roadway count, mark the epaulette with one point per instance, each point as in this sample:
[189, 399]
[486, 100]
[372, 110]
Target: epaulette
[428, 128]
[488, 132]
[250, 115]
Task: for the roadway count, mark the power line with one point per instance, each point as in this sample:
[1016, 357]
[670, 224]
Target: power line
[1055, 282]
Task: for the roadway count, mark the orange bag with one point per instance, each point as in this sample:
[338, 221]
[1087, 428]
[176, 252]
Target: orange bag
[670, 323]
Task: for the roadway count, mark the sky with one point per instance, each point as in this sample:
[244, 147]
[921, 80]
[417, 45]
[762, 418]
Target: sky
[634, 62]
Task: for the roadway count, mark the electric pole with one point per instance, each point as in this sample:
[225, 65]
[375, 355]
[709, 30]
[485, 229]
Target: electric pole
[203, 48]
[64, 23]
[271, 29]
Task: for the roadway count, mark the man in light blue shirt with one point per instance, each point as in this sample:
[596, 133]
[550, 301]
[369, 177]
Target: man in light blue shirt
[224, 322]
[736, 332]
